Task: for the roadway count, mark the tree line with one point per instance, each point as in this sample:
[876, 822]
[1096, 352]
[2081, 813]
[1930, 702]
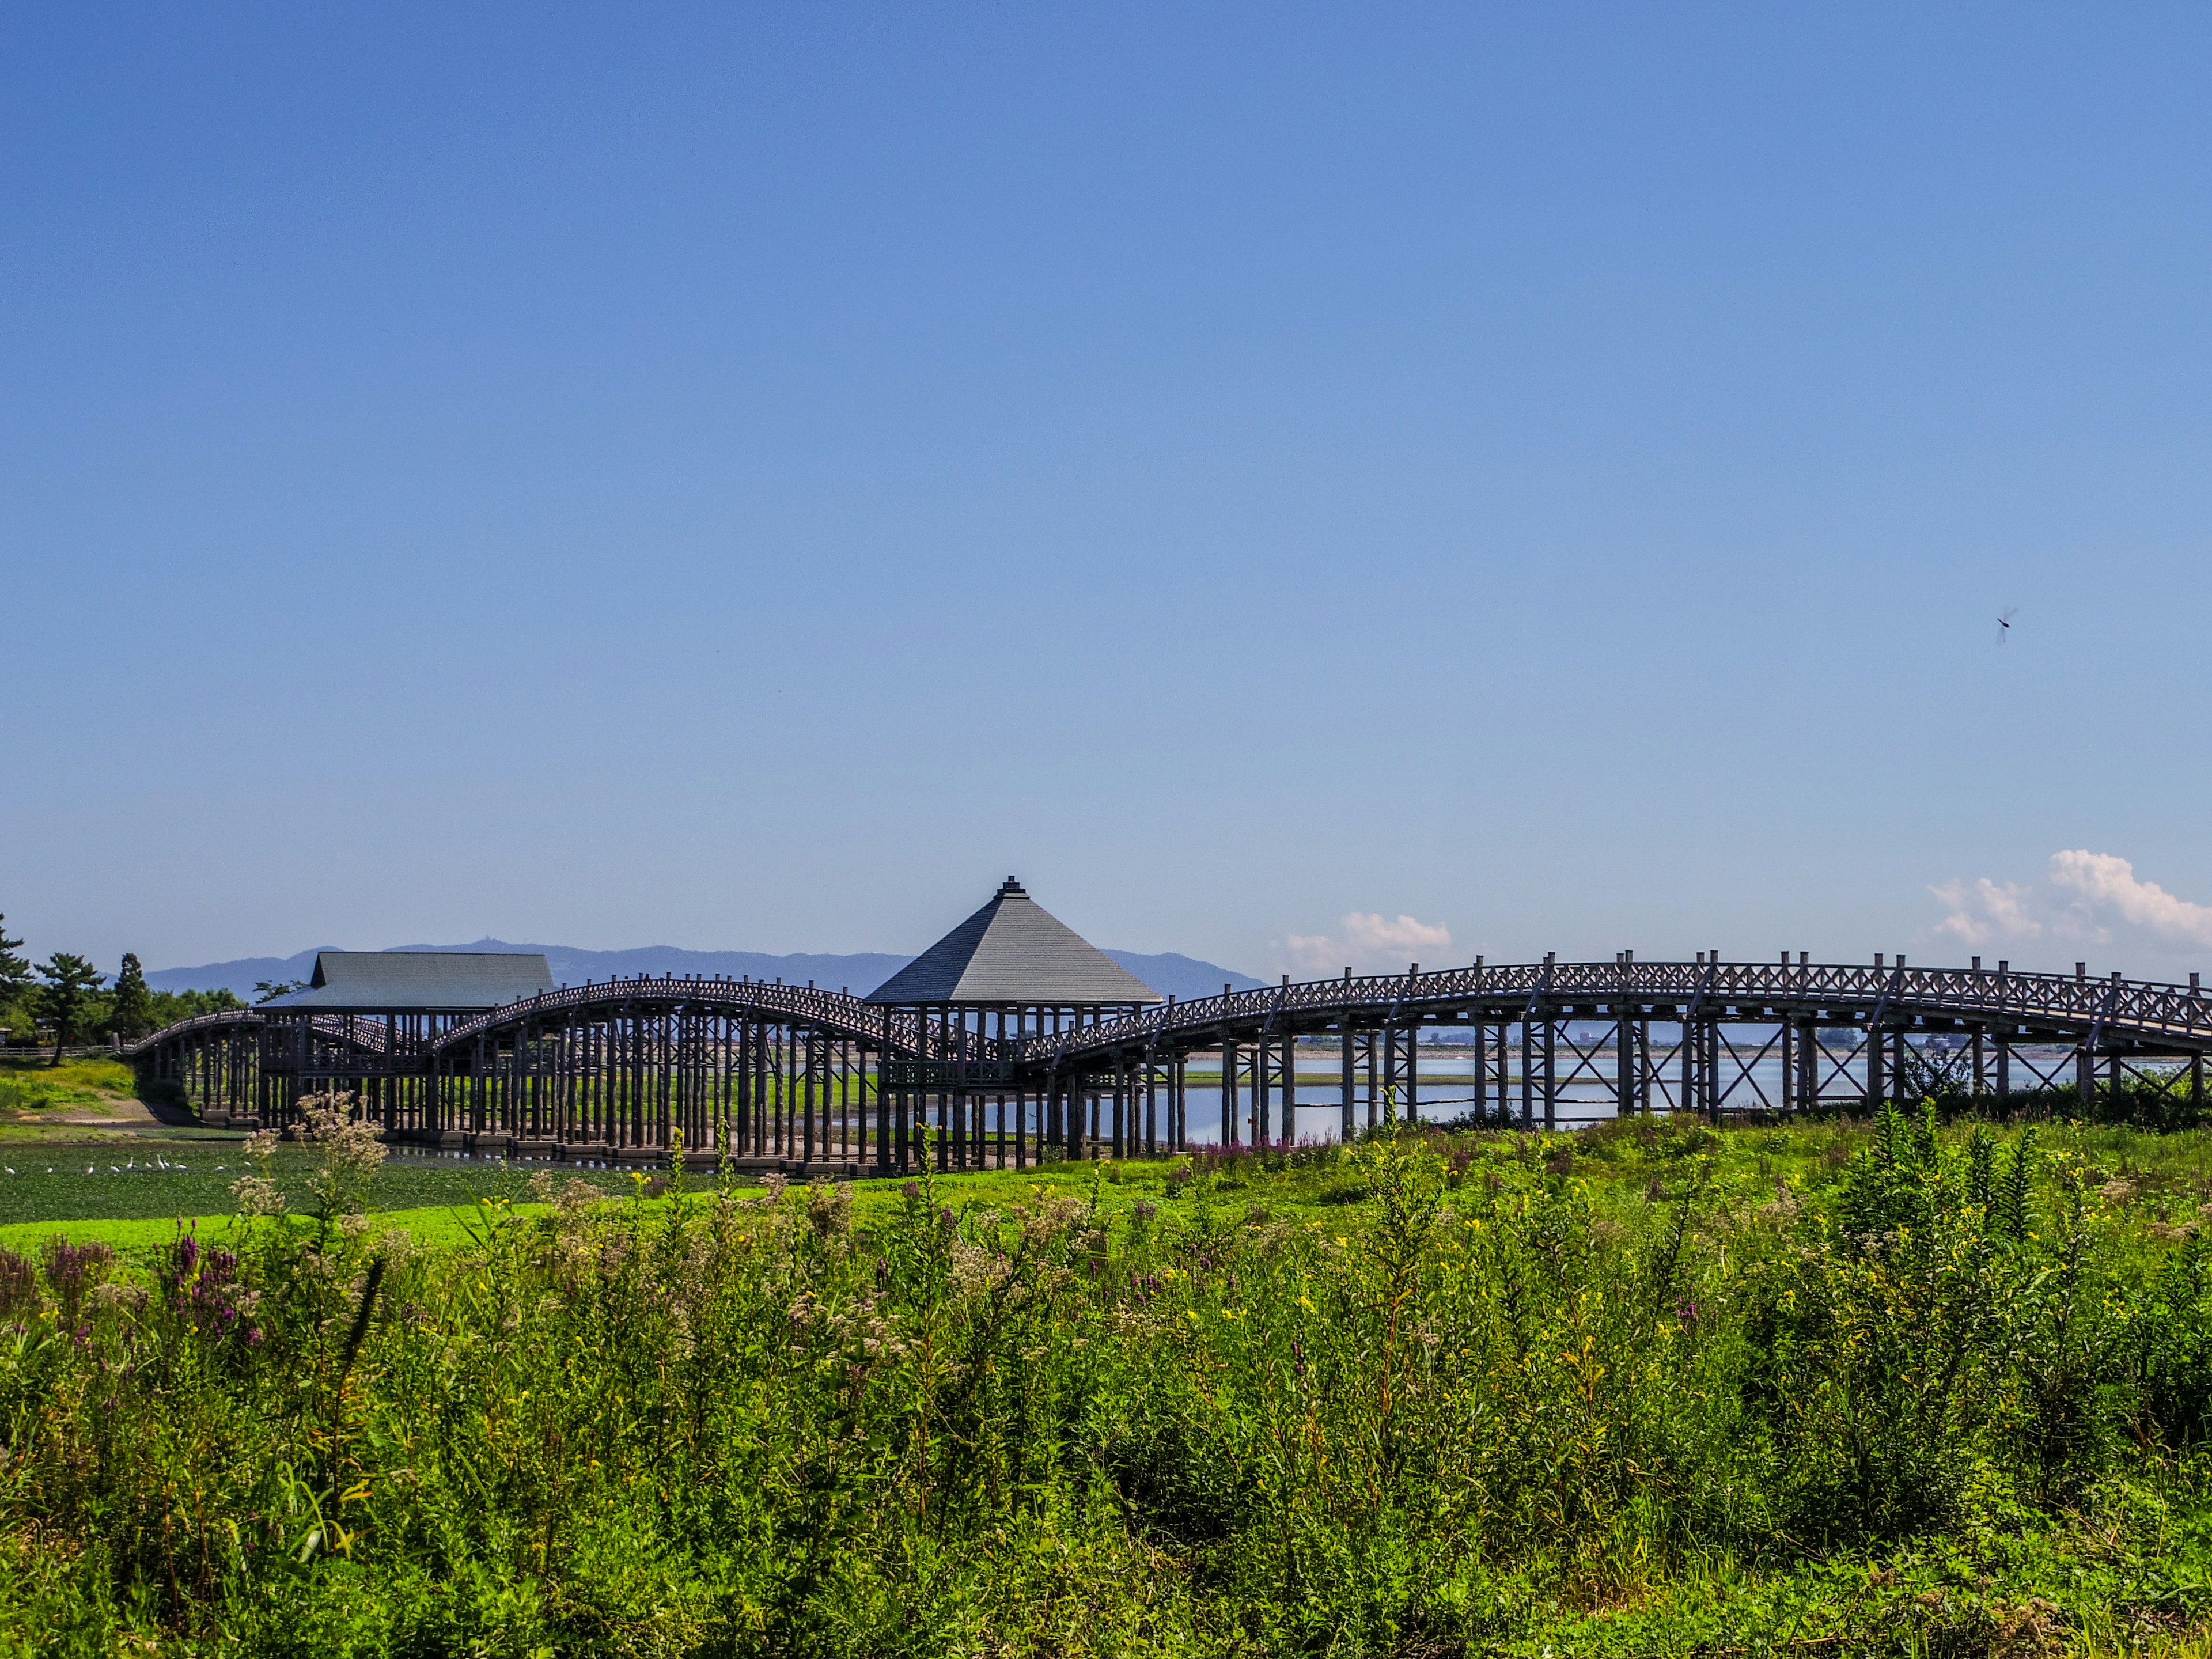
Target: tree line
[66, 1000]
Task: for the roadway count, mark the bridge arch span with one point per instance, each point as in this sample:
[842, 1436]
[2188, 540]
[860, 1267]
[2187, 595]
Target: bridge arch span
[814, 1079]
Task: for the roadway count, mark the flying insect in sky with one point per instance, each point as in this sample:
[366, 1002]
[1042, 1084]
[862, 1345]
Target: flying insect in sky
[2004, 624]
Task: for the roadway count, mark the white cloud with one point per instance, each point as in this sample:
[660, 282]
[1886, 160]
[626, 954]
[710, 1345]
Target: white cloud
[2108, 885]
[1368, 939]
[2084, 898]
[1986, 912]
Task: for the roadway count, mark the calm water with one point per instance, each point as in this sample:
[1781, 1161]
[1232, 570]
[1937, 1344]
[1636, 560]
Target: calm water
[1447, 1085]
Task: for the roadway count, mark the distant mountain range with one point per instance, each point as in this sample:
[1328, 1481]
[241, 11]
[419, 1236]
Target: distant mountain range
[1167, 972]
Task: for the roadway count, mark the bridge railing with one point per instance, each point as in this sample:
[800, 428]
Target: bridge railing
[2140, 1008]
[247, 1018]
[2147, 1009]
[803, 1003]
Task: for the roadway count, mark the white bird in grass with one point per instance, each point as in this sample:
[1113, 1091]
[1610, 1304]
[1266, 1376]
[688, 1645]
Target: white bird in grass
[88, 1169]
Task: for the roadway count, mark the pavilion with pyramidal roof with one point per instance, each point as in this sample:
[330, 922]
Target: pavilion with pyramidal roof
[1012, 970]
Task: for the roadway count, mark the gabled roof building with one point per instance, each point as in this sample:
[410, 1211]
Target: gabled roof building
[416, 982]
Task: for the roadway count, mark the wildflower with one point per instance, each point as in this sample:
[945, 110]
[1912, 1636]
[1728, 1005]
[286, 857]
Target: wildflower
[253, 1195]
[19, 1285]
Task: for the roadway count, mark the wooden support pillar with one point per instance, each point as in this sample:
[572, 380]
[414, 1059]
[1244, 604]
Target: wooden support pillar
[1347, 1129]
[2084, 1079]
[1413, 1073]
[2004, 1073]
[1709, 1066]
[1263, 1092]
[1624, 1062]
[1527, 1074]
[1374, 1082]
[1876, 1094]
[1290, 1087]
[1551, 1073]
[1788, 1038]
[1228, 1093]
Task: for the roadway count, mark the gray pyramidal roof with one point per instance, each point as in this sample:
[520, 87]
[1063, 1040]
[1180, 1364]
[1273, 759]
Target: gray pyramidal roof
[419, 982]
[1013, 950]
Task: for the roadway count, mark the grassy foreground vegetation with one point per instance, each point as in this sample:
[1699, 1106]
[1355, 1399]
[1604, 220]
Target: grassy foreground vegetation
[1890, 1389]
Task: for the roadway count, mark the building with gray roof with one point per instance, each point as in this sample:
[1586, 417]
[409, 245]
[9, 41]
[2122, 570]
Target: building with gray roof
[417, 982]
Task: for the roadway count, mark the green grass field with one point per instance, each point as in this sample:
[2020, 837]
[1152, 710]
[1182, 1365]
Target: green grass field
[159, 1174]
[32, 1086]
[1820, 1389]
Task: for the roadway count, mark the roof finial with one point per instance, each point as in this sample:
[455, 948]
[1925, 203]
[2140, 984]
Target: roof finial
[1012, 889]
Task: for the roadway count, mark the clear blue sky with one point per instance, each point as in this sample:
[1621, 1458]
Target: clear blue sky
[752, 476]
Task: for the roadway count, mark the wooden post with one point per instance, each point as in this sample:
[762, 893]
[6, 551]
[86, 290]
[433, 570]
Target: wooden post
[1374, 1082]
[1347, 1128]
[1413, 1073]
[1228, 1092]
[1624, 1062]
[1551, 1073]
[1527, 1074]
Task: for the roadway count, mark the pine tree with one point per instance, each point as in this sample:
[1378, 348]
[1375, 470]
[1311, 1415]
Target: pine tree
[70, 982]
[15, 972]
[131, 1014]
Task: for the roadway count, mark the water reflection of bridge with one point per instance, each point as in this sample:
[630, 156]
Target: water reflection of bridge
[1012, 1044]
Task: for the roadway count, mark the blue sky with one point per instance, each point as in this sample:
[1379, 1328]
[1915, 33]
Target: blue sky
[751, 478]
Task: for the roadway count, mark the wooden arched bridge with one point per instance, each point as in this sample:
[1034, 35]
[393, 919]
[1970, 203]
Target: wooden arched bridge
[812, 1079]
